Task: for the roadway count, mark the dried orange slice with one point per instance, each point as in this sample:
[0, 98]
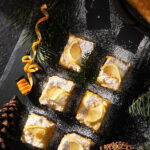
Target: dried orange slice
[74, 52]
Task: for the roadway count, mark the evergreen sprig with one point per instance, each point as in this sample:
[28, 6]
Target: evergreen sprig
[143, 148]
[54, 31]
[85, 75]
[141, 106]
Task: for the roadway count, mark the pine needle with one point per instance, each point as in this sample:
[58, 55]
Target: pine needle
[53, 31]
[85, 75]
[141, 106]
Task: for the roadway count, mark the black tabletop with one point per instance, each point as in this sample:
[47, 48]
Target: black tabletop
[9, 34]
[112, 36]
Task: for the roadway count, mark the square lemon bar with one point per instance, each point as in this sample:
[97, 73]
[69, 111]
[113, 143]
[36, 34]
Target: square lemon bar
[77, 48]
[74, 141]
[57, 93]
[37, 131]
[112, 73]
[92, 110]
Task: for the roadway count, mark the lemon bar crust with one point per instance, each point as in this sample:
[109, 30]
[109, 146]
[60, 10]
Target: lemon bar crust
[35, 120]
[143, 7]
[61, 103]
[64, 144]
[88, 100]
[86, 46]
[104, 80]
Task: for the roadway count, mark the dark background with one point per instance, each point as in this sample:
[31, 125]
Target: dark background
[9, 34]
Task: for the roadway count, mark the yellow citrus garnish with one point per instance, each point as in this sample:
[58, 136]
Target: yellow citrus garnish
[112, 71]
[24, 86]
[95, 113]
[54, 93]
[37, 131]
[30, 67]
[74, 52]
[75, 145]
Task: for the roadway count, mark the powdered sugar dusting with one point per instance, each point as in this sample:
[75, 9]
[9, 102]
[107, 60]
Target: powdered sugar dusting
[123, 54]
[106, 45]
[104, 93]
[65, 142]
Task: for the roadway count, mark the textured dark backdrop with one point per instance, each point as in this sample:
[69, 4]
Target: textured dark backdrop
[127, 41]
[8, 34]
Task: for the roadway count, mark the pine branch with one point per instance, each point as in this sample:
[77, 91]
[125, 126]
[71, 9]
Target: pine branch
[147, 83]
[85, 75]
[141, 107]
[143, 148]
[54, 31]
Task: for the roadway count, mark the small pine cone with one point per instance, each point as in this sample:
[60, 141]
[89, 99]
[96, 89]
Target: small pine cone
[117, 146]
[7, 120]
[2, 144]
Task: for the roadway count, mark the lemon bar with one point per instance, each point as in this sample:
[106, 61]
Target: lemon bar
[74, 141]
[37, 131]
[92, 110]
[57, 93]
[77, 48]
[112, 73]
[143, 7]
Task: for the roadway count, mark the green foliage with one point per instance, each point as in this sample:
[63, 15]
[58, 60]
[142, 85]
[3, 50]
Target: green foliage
[85, 75]
[141, 106]
[54, 31]
[143, 148]
[147, 83]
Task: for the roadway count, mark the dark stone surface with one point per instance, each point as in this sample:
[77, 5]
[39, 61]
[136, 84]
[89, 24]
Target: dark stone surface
[129, 38]
[8, 34]
[98, 18]
[119, 124]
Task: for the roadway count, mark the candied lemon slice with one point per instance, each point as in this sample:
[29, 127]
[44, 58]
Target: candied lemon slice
[54, 93]
[75, 145]
[95, 113]
[112, 70]
[74, 52]
[37, 131]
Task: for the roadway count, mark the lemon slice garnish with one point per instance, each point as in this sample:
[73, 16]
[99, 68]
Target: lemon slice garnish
[54, 93]
[95, 113]
[112, 71]
[75, 145]
[74, 52]
[37, 131]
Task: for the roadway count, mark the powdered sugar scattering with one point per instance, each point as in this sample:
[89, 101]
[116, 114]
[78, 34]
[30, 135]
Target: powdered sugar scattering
[106, 45]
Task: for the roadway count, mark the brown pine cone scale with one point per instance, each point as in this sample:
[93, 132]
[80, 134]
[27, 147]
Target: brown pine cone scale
[117, 146]
[7, 121]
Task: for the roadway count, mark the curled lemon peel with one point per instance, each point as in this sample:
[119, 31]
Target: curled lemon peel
[30, 67]
[24, 86]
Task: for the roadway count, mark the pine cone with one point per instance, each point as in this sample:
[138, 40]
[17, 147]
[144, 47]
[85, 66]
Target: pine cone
[7, 120]
[117, 146]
